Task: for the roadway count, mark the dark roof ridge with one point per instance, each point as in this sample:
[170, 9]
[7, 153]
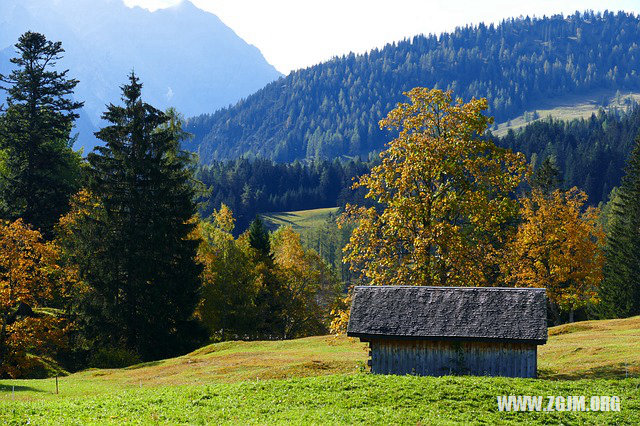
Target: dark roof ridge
[443, 287]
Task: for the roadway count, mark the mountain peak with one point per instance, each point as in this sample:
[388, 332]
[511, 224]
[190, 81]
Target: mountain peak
[186, 57]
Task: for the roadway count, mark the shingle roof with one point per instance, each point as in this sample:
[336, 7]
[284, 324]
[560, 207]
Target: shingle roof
[460, 313]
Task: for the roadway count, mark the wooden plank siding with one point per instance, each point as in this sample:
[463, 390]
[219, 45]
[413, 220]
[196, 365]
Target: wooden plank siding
[440, 357]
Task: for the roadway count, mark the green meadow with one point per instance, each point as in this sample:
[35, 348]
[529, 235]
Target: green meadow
[575, 106]
[301, 220]
[323, 380]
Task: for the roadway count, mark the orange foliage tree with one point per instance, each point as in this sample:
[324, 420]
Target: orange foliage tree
[30, 279]
[444, 196]
[558, 246]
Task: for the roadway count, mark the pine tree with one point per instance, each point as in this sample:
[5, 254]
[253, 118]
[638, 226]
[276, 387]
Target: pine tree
[259, 238]
[40, 171]
[272, 297]
[545, 178]
[142, 270]
[620, 290]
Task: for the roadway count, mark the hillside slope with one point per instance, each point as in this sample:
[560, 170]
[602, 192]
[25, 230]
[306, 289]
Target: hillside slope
[589, 349]
[573, 107]
[607, 349]
[320, 380]
[301, 221]
[332, 109]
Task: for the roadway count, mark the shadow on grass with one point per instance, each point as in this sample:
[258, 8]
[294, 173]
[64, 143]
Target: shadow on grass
[11, 388]
[270, 222]
[613, 371]
[283, 214]
[144, 364]
[569, 328]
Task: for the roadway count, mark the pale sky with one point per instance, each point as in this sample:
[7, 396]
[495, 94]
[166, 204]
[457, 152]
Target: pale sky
[293, 34]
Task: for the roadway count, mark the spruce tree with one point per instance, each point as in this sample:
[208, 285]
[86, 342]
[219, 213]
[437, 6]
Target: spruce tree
[272, 297]
[143, 274]
[620, 290]
[259, 238]
[40, 171]
[546, 177]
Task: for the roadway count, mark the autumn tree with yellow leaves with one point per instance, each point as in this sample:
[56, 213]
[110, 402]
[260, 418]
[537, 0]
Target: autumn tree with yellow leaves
[558, 246]
[30, 281]
[284, 292]
[444, 195]
[310, 285]
[229, 287]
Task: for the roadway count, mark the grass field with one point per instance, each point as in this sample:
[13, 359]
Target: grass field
[301, 220]
[321, 380]
[570, 107]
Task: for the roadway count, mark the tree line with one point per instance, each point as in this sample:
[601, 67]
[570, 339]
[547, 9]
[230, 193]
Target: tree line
[105, 261]
[331, 109]
[589, 153]
[254, 186]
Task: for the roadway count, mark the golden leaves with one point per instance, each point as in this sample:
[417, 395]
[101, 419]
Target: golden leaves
[558, 246]
[444, 195]
[30, 276]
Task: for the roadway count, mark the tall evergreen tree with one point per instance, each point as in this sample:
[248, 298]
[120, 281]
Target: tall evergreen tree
[620, 291]
[545, 177]
[40, 170]
[272, 297]
[141, 267]
[259, 238]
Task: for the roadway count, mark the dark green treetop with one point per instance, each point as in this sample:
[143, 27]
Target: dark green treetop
[546, 176]
[620, 290]
[259, 237]
[39, 168]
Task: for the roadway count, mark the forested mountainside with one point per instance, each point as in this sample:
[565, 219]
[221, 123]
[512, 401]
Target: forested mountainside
[332, 109]
[589, 153]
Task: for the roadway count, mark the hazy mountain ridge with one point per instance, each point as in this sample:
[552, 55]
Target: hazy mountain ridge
[333, 109]
[185, 57]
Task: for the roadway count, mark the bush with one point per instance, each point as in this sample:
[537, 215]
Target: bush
[40, 367]
[113, 358]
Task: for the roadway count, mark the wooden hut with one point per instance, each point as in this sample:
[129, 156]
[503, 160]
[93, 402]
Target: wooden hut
[435, 331]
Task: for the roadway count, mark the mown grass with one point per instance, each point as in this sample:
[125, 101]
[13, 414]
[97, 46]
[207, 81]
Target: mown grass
[336, 399]
[321, 380]
[301, 220]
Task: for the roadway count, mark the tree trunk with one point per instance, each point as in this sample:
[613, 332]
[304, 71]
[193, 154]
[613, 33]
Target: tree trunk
[3, 332]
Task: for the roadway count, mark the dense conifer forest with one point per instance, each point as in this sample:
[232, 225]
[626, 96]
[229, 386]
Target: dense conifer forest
[332, 109]
[251, 187]
[589, 153]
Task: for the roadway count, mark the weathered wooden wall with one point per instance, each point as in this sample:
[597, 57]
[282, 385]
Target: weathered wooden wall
[439, 358]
